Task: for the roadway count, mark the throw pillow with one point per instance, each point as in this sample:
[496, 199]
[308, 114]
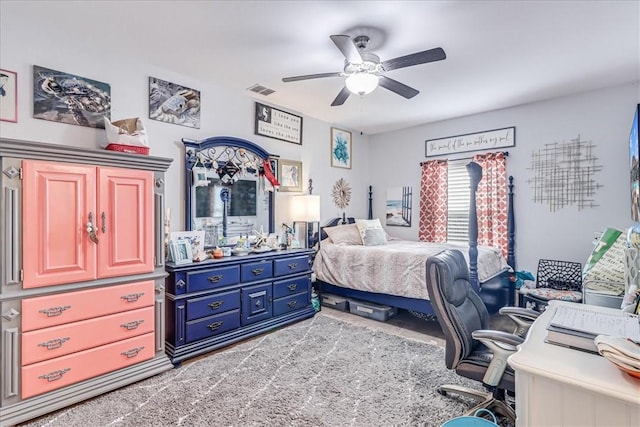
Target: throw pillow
[371, 232]
[347, 234]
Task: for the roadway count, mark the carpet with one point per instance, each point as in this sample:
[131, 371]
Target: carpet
[317, 372]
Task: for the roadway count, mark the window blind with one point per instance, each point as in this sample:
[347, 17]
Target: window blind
[458, 201]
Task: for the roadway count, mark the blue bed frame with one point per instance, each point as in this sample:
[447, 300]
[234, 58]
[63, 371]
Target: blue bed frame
[495, 293]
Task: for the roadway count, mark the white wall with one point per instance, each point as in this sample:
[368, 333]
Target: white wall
[603, 117]
[223, 112]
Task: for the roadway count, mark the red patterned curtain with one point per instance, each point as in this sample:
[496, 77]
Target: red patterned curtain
[491, 201]
[433, 201]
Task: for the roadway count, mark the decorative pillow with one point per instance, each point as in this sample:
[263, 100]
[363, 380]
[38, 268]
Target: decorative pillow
[344, 234]
[371, 232]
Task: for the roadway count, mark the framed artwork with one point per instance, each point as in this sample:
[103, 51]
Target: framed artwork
[290, 175]
[487, 140]
[8, 96]
[181, 252]
[278, 124]
[195, 239]
[67, 98]
[398, 210]
[172, 103]
[340, 148]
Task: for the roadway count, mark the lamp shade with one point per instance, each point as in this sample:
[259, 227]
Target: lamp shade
[305, 208]
[362, 83]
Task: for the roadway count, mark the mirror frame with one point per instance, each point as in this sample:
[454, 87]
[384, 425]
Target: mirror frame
[194, 147]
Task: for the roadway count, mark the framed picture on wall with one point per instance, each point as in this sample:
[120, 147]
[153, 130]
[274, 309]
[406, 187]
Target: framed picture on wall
[8, 96]
[340, 148]
[173, 103]
[290, 175]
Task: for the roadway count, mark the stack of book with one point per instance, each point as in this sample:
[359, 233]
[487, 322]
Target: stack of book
[577, 327]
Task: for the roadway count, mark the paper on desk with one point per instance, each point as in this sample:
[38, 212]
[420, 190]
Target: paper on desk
[581, 319]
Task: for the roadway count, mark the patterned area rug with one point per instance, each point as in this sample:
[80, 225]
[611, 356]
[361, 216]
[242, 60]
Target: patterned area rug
[318, 372]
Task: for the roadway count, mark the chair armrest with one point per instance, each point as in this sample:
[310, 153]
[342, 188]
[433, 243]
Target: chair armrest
[522, 317]
[498, 337]
[502, 345]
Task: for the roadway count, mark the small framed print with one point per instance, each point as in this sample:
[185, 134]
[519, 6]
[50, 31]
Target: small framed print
[290, 175]
[194, 237]
[181, 251]
[8, 96]
[340, 148]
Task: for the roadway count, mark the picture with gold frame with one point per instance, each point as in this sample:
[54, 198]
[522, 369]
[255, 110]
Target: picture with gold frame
[290, 175]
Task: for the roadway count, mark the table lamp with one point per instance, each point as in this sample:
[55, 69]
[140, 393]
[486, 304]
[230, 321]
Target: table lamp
[305, 212]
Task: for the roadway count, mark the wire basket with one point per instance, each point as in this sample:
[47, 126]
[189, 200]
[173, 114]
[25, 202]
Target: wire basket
[559, 275]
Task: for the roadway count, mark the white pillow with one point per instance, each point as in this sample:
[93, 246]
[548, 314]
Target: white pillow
[344, 234]
[371, 232]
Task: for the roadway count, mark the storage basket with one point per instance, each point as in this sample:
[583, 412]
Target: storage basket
[133, 149]
[559, 275]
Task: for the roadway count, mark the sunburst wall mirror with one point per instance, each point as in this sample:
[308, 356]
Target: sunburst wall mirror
[341, 193]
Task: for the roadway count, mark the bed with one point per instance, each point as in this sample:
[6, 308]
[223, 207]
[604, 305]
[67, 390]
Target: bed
[394, 273]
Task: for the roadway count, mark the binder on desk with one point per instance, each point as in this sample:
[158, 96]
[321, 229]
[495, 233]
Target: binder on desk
[577, 327]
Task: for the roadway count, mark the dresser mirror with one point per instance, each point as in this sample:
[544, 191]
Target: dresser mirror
[229, 189]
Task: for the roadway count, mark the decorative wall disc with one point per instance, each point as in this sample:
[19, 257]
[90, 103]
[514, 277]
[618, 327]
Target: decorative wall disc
[341, 193]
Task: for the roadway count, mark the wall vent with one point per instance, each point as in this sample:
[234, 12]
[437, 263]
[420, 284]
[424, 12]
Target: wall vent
[262, 90]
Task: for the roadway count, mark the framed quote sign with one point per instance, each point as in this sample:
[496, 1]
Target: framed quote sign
[487, 140]
[278, 124]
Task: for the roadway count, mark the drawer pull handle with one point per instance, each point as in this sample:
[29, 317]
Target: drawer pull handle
[55, 375]
[293, 265]
[258, 303]
[257, 271]
[214, 326]
[215, 305]
[293, 286]
[54, 311]
[215, 279]
[133, 352]
[104, 222]
[53, 344]
[292, 304]
[132, 325]
[132, 297]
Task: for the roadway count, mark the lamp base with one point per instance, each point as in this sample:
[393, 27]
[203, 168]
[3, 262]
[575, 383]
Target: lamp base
[307, 233]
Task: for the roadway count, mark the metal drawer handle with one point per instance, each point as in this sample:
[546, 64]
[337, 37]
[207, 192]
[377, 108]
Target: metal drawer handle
[132, 325]
[91, 229]
[104, 222]
[53, 344]
[257, 271]
[214, 326]
[258, 303]
[293, 265]
[55, 375]
[133, 352]
[215, 279]
[54, 311]
[215, 305]
[292, 304]
[293, 286]
[132, 297]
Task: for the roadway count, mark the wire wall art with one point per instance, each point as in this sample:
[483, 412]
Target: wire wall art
[564, 174]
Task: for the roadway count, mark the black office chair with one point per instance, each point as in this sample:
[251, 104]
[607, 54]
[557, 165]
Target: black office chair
[472, 349]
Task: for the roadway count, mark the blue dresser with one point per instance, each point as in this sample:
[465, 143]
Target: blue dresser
[215, 303]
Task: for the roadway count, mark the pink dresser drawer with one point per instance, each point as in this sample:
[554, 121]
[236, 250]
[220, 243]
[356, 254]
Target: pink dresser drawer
[47, 343]
[52, 374]
[43, 312]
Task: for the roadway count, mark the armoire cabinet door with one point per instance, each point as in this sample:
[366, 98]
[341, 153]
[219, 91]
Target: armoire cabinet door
[58, 200]
[85, 222]
[125, 222]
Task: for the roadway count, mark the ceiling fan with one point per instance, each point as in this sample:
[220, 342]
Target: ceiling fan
[364, 71]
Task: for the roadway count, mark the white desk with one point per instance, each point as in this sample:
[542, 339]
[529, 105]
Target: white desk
[558, 386]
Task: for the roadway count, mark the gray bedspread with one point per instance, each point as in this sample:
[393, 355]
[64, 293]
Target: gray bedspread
[397, 268]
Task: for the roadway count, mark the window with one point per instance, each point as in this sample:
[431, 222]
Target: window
[458, 201]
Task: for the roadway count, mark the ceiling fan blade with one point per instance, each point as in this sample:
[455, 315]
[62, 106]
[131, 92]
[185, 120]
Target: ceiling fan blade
[342, 97]
[348, 49]
[423, 57]
[310, 76]
[397, 87]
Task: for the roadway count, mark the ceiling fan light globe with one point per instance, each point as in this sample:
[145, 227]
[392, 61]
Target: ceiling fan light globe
[361, 83]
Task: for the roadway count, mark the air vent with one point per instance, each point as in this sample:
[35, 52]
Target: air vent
[262, 90]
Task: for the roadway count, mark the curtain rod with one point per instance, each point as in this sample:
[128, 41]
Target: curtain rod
[506, 154]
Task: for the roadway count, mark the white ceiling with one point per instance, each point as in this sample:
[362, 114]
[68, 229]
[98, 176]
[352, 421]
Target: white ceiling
[499, 53]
